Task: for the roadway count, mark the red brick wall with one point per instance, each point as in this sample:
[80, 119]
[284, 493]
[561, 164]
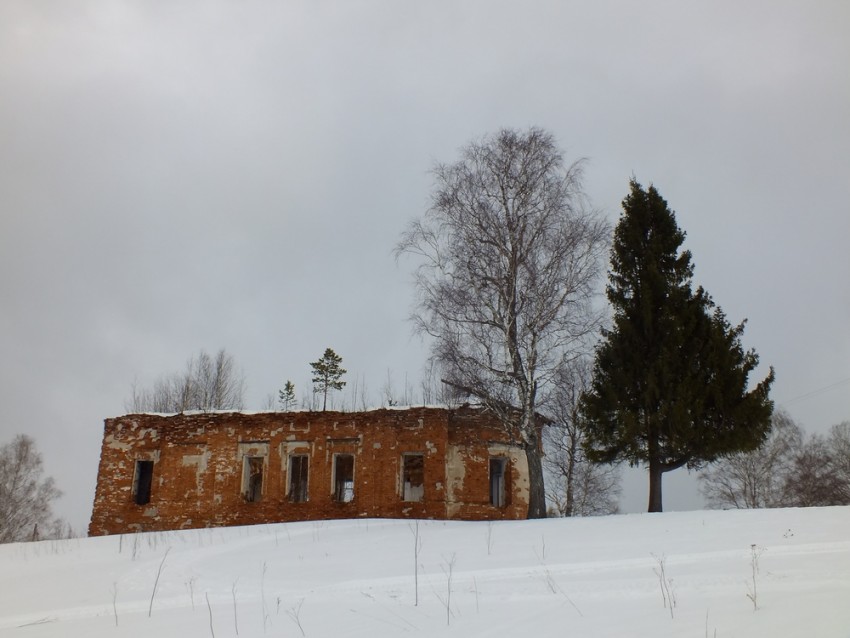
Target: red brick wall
[198, 467]
[472, 446]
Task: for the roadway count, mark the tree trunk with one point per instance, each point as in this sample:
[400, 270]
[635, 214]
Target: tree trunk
[655, 474]
[536, 493]
[571, 474]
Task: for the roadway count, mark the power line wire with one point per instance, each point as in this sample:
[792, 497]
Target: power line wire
[814, 393]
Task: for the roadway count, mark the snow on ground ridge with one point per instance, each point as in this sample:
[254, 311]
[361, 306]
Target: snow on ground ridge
[595, 576]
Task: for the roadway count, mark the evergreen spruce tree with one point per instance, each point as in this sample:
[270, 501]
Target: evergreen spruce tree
[327, 373]
[286, 397]
[669, 387]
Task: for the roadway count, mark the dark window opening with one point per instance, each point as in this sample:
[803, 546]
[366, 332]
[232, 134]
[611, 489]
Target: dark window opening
[497, 482]
[344, 478]
[298, 467]
[413, 477]
[142, 482]
[252, 479]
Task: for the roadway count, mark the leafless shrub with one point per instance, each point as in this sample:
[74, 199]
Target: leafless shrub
[156, 582]
[190, 585]
[666, 584]
[294, 613]
[114, 604]
[434, 391]
[551, 583]
[209, 609]
[264, 610]
[388, 393]
[448, 570]
[207, 383]
[417, 546]
[235, 615]
[706, 626]
[752, 586]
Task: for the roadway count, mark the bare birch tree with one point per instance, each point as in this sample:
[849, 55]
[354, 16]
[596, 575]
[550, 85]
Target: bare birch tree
[509, 259]
[25, 494]
[575, 486]
[207, 383]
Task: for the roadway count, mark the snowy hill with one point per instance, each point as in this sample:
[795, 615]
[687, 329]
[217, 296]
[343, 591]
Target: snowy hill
[606, 576]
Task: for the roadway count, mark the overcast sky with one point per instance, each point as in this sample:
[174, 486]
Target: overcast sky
[184, 175]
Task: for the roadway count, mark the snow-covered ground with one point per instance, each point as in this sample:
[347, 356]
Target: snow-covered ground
[605, 576]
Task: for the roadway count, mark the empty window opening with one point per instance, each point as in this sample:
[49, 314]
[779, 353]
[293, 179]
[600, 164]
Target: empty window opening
[142, 482]
[413, 477]
[298, 468]
[497, 481]
[344, 478]
[252, 478]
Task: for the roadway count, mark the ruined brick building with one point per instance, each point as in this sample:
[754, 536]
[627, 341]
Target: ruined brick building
[188, 470]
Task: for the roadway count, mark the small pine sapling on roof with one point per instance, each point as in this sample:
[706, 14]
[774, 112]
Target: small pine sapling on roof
[286, 397]
[327, 374]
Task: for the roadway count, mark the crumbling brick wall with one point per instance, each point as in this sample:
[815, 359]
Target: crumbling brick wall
[160, 472]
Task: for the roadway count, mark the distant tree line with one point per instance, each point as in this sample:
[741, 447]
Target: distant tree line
[790, 469]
